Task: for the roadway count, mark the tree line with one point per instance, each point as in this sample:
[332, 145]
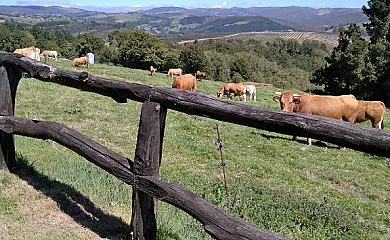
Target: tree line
[284, 63]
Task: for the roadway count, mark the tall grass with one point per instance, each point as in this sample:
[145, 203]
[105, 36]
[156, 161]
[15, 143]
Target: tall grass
[281, 186]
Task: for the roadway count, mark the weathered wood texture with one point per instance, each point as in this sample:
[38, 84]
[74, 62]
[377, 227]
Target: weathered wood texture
[216, 222]
[9, 80]
[148, 153]
[374, 141]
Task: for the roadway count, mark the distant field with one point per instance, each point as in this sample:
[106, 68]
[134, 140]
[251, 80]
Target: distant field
[329, 39]
[277, 184]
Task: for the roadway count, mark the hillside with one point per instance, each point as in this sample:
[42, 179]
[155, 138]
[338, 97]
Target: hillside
[308, 18]
[175, 20]
[277, 184]
[329, 39]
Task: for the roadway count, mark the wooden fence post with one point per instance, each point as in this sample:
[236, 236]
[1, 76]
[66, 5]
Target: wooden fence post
[147, 161]
[9, 80]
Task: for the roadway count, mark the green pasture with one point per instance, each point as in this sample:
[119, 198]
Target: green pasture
[279, 185]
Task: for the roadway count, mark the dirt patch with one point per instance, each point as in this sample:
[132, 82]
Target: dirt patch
[37, 216]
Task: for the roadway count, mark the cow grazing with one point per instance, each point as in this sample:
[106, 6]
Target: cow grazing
[185, 82]
[231, 90]
[250, 90]
[343, 107]
[373, 111]
[174, 71]
[31, 52]
[80, 61]
[52, 54]
[152, 70]
[200, 75]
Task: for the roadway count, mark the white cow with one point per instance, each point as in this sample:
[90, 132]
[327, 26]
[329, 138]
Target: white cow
[31, 52]
[250, 90]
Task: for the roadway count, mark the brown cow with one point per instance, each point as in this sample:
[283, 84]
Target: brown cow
[373, 111]
[343, 107]
[80, 61]
[185, 82]
[152, 70]
[200, 75]
[49, 54]
[231, 90]
[174, 71]
[31, 52]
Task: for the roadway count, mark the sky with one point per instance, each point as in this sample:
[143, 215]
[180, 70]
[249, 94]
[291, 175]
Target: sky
[142, 4]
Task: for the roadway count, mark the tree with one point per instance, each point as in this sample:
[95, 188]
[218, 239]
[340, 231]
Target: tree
[86, 43]
[138, 49]
[218, 68]
[193, 59]
[15, 36]
[378, 12]
[348, 69]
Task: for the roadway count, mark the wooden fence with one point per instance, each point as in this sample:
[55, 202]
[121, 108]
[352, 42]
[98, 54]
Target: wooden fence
[142, 173]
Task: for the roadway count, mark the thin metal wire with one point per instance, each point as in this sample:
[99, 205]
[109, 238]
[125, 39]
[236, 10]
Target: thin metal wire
[219, 148]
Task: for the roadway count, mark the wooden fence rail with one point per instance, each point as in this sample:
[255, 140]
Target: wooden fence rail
[370, 140]
[143, 172]
[216, 222]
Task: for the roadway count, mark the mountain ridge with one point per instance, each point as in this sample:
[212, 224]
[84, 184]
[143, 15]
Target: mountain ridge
[179, 20]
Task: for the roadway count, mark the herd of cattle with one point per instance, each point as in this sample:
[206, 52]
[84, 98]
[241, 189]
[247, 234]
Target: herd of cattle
[35, 53]
[345, 107]
[188, 82]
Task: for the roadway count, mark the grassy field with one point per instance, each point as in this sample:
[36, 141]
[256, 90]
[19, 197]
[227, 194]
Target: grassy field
[274, 183]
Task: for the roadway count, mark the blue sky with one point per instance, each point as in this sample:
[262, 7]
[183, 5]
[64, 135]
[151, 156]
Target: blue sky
[190, 3]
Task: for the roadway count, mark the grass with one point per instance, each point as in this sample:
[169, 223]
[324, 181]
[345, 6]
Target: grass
[277, 184]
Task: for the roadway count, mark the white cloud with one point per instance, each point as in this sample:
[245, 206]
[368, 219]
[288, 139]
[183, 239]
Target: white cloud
[43, 2]
[222, 5]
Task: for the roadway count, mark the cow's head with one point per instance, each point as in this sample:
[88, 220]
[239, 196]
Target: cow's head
[287, 101]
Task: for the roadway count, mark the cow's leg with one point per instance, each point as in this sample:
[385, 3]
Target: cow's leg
[309, 141]
[254, 97]
[244, 97]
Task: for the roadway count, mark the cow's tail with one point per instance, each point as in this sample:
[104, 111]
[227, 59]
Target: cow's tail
[383, 122]
[383, 117]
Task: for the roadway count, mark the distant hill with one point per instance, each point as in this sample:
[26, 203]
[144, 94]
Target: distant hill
[306, 17]
[177, 20]
[45, 11]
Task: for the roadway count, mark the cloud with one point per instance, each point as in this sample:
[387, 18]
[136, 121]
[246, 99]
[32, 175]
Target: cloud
[222, 5]
[43, 2]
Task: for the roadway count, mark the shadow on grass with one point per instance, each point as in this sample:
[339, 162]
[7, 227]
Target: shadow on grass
[74, 204]
[317, 143]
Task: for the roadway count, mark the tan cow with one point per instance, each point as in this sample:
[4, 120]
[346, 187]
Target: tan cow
[343, 107]
[52, 54]
[373, 111]
[80, 61]
[31, 52]
[185, 82]
[152, 70]
[200, 75]
[174, 71]
[231, 90]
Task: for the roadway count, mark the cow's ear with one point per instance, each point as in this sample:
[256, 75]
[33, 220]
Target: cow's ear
[276, 98]
[296, 100]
